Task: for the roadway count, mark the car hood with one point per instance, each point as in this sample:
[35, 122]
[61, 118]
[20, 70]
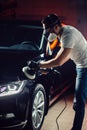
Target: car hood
[12, 62]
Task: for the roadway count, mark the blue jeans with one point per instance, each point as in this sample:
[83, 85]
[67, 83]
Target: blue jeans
[80, 98]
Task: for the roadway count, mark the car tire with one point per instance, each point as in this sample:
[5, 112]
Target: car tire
[37, 108]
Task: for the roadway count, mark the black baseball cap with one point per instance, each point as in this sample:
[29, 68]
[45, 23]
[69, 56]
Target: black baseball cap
[51, 20]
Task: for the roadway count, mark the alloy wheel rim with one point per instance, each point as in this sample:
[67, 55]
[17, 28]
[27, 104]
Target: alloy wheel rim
[38, 109]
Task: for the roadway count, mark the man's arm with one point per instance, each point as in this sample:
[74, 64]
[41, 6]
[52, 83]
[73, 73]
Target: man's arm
[61, 57]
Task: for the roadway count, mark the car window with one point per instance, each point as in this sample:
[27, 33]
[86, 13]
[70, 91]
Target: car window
[20, 36]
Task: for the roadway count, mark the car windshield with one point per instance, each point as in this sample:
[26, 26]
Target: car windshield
[20, 36]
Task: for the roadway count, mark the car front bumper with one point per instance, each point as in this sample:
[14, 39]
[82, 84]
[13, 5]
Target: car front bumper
[14, 109]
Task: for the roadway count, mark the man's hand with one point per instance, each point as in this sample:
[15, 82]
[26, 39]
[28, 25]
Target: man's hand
[33, 65]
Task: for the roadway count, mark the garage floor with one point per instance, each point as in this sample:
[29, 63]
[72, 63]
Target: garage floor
[66, 118]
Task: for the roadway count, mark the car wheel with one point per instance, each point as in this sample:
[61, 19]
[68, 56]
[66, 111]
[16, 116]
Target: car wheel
[37, 109]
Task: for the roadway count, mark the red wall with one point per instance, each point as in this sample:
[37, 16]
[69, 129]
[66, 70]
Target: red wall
[36, 9]
[72, 12]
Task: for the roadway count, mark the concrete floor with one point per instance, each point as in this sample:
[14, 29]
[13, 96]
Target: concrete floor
[65, 120]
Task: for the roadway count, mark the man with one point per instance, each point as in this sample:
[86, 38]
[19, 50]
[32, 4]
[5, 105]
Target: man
[73, 46]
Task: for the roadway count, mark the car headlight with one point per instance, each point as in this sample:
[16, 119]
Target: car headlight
[11, 88]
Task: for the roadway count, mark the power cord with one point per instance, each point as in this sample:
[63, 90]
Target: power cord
[61, 112]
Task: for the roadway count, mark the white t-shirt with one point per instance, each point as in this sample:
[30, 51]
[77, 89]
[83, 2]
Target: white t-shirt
[72, 38]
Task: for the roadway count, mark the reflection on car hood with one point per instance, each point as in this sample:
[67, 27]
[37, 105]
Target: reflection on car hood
[12, 62]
